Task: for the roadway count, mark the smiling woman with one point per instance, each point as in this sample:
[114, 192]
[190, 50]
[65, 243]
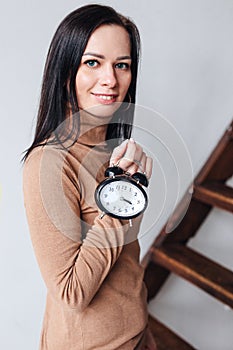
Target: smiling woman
[104, 75]
[96, 297]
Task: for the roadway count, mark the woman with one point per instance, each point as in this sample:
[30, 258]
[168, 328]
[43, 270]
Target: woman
[96, 297]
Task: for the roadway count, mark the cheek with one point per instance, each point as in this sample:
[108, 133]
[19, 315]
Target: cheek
[83, 82]
[126, 83]
[128, 80]
[80, 83]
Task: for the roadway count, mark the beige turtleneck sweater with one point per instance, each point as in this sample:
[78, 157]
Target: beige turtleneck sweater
[96, 298]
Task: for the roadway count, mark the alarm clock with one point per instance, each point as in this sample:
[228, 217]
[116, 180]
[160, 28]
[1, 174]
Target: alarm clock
[121, 195]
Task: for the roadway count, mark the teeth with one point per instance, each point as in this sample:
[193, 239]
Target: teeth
[104, 97]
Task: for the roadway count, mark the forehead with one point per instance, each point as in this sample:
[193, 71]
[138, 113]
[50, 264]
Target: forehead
[109, 39]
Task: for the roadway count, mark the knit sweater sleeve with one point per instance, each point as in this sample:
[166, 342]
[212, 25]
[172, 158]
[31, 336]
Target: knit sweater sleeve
[73, 267]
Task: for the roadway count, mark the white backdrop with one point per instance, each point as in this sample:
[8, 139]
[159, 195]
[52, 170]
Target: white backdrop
[187, 75]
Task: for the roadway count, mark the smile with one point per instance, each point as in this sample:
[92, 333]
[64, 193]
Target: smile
[106, 98]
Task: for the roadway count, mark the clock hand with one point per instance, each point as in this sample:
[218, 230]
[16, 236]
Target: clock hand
[126, 200]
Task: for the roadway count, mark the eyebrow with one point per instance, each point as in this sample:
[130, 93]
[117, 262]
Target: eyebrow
[103, 57]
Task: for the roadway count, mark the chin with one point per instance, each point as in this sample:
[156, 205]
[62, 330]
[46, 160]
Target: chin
[103, 111]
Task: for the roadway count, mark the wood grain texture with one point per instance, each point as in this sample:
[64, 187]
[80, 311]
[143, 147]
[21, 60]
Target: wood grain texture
[216, 194]
[219, 165]
[198, 269]
[165, 338]
[169, 252]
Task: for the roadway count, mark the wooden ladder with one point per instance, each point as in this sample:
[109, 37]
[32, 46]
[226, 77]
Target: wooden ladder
[169, 252]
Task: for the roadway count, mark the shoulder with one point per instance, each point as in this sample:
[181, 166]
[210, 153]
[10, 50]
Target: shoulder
[48, 157]
[44, 164]
[49, 166]
[32, 164]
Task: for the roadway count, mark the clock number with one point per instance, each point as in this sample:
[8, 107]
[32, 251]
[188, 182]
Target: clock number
[111, 189]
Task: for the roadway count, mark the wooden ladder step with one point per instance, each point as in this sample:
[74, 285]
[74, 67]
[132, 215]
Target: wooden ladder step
[165, 338]
[215, 194]
[196, 268]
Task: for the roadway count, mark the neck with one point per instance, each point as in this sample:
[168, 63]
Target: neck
[93, 128]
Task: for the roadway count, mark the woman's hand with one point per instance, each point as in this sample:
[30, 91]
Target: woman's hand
[130, 157]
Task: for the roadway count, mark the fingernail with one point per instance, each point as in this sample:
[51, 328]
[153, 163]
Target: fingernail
[132, 140]
[123, 143]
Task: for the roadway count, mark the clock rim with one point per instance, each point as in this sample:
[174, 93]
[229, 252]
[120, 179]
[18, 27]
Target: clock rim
[114, 179]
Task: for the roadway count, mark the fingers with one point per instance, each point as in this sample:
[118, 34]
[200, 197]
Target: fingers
[143, 161]
[148, 167]
[130, 157]
[138, 163]
[118, 152]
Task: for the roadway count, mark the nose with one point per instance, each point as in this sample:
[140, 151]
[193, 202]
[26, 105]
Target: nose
[108, 77]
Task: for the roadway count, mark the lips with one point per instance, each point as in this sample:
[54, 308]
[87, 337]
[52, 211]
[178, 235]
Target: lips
[105, 98]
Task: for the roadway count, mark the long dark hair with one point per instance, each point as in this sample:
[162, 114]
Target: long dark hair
[63, 60]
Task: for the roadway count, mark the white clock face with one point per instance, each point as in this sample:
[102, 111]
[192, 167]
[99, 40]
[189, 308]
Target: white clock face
[122, 198]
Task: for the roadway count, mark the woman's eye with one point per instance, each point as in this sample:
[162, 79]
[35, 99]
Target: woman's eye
[91, 63]
[122, 65]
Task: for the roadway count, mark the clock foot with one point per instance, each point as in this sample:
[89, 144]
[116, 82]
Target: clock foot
[101, 215]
